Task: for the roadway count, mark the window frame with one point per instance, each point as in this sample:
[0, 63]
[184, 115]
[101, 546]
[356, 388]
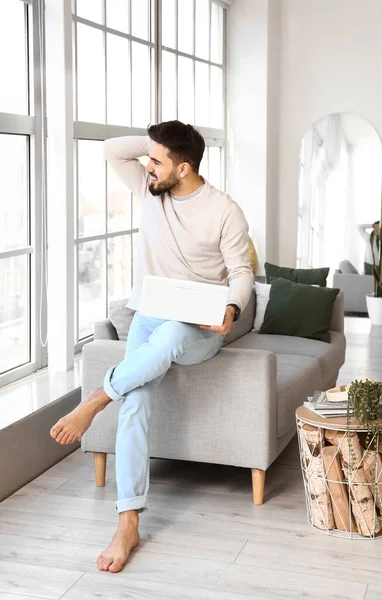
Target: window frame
[33, 127]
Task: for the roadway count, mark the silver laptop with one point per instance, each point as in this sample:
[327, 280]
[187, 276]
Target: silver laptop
[182, 300]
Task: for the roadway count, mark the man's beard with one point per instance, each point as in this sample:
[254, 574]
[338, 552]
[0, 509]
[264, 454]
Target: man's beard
[165, 186]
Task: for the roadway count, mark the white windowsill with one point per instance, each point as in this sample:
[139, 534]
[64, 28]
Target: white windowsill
[23, 397]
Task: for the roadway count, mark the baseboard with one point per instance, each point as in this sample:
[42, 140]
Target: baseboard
[26, 448]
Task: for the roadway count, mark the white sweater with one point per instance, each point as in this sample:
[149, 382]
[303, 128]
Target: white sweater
[204, 239]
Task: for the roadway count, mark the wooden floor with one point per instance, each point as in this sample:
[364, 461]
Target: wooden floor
[202, 537]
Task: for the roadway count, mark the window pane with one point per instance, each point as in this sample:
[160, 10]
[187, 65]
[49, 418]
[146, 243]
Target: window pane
[14, 312]
[203, 169]
[217, 33]
[168, 86]
[13, 192]
[91, 285]
[91, 188]
[202, 93]
[91, 74]
[216, 97]
[90, 9]
[141, 85]
[169, 23]
[119, 276]
[140, 18]
[117, 14]
[215, 167]
[13, 62]
[118, 81]
[118, 203]
[186, 90]
[186, 27]
[202, 29]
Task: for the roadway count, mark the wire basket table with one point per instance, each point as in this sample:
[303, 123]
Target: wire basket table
[342, 473]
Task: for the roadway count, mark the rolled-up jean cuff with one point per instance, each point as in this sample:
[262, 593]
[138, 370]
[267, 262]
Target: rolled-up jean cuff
[138, 503]
[108, 387]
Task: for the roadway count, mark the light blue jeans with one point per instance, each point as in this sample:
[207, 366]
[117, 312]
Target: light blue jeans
[152, 345]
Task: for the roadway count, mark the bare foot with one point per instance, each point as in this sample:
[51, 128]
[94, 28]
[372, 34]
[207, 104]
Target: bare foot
[71, 428]
[124, 540]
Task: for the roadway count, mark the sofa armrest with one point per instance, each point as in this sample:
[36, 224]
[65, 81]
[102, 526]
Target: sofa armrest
[105, 330]
[338, 319]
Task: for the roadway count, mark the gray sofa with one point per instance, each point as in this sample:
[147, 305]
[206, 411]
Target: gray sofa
[237, 408]
[354, 286]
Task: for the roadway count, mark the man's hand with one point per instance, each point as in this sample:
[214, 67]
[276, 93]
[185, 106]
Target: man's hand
[227, 323]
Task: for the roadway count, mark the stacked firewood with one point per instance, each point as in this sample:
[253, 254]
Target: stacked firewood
[343, 480]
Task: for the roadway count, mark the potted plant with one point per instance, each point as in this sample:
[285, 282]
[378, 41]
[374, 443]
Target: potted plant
[374, 301]
[365, 402]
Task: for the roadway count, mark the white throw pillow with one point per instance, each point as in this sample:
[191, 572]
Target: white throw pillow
[262, 298]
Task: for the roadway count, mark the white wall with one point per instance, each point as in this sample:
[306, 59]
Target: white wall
[290, 62]
[252, 24]
[330, 62]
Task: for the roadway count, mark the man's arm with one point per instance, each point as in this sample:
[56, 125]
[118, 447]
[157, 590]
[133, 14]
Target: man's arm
[235, 250]
[122, 154]
[362, 231]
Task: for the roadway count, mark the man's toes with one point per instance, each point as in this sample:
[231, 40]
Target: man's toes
[65, 438]
[115, 567]
[60, 437]
[72, 439]
[106, 564]
[54, 432]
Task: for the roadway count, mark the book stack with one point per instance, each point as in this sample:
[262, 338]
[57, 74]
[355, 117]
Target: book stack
[320, 404]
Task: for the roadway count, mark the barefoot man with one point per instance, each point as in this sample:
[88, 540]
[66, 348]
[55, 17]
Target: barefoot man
[189, 230]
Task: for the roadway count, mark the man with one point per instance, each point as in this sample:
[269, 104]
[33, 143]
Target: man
[189, 230]
[372, 245]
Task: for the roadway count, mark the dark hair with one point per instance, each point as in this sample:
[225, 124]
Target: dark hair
[376, 223]
[184, 142]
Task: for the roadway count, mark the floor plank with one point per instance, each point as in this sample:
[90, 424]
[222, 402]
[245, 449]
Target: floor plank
[296, 557]
[108, 587]
[374, 592]
[32, 580]
[239, 579]
[68, 554]
[18, 597]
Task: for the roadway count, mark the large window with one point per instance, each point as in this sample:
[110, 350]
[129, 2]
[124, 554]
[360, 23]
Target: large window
[134, 62]
[114, 66]
[192, 73]
[125, 79]
[21, 323]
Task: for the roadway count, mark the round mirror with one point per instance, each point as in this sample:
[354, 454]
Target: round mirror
[340, 197]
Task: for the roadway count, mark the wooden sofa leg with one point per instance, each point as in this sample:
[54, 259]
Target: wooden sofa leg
[100, 468]
[258, 480]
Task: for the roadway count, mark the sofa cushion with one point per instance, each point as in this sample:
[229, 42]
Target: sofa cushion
[244, 324]
[297, 377]
[121, 317]
[308, 276]
[262, 298]
[299, 309]
[330, 356]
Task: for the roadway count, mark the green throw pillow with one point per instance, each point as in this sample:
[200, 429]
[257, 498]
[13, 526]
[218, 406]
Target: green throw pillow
[309, 276]
[300, 310]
